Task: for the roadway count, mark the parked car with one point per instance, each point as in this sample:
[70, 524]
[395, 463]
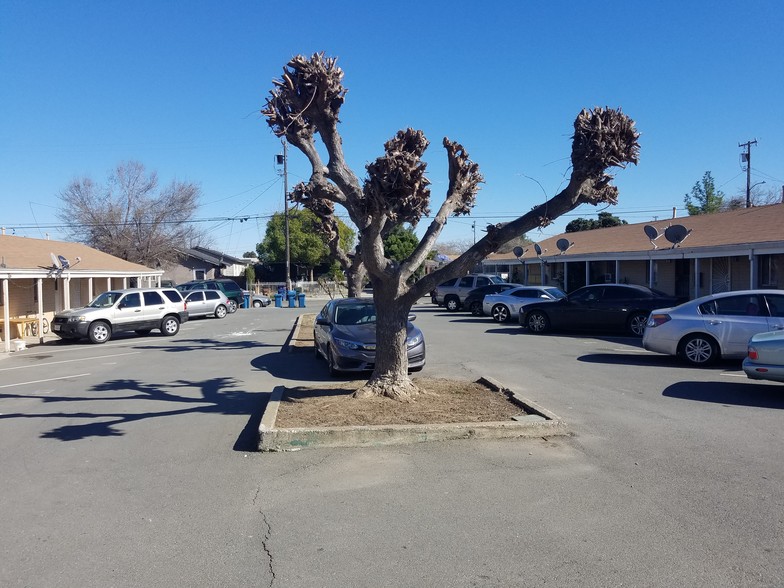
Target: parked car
[229, 287]
[345, 335]
[599, 307]
[719, 325]
[452, 292]
[207, 303]
[507, 304]
[258, 300]
[135, 309]
[765, 356]
[473, 300]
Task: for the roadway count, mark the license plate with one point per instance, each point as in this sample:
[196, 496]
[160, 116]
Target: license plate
[56, 327]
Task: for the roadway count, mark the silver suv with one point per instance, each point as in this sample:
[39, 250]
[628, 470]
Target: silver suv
[452, 293]
[135, 309]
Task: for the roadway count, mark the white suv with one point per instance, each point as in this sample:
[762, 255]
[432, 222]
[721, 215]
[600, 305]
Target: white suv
[453, 292]
[136, 309]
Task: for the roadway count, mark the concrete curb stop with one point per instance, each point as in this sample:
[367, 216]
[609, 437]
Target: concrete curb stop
[537, 422]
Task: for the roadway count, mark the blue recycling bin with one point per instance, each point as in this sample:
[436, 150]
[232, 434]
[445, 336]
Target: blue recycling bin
[278, 300]
[301, 300]
[292, 296]
[246, 301]
[282, 290]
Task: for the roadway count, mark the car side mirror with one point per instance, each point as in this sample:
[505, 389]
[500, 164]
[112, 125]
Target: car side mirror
[411, 317]
[322, 321]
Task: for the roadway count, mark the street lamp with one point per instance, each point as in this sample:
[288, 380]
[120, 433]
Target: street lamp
[748, 193]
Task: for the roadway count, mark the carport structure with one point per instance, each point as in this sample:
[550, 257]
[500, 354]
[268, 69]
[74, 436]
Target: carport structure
[734, 250]
[40, 277]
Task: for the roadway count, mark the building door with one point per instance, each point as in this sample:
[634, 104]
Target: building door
[682, 278]
[720, 275]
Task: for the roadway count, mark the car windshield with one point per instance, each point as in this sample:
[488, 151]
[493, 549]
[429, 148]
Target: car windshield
[105, 300]
[355, 314]
[497, 280]
[555, 293]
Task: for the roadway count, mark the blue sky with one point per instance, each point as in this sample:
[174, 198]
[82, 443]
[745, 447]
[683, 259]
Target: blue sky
[178, 86]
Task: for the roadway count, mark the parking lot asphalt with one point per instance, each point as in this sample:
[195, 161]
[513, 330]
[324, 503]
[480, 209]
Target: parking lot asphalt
[127, 464]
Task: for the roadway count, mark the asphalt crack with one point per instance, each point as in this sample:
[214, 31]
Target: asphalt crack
[265, 541]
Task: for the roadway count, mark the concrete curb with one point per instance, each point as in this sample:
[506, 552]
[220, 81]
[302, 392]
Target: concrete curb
[538, 422]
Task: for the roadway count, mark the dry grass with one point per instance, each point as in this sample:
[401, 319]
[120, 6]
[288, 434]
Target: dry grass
[441, 401]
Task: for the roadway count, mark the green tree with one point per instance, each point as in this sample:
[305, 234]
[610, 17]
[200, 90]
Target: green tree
[304, 106]
[605, 220]
[704, 198]
[400, 242]
[307, 246]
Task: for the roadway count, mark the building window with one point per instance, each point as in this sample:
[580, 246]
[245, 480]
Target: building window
[199, 274]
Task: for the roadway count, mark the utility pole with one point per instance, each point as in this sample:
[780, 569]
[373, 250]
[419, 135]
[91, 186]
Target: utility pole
[746, 158]
[473, 226]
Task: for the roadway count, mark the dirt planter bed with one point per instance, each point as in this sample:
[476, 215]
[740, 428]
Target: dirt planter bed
[327, 416]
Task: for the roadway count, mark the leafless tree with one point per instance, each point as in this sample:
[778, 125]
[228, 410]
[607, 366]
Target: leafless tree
[306, 100]
[131, 217]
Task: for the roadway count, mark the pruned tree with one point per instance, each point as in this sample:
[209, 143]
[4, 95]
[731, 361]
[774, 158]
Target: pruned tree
[306, 100]
[132, 217]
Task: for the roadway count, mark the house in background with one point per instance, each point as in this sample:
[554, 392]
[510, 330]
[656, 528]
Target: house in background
[687, 257]
[200, 263]
[40, 277]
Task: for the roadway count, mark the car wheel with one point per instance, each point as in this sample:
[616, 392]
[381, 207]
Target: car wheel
[636, 324]
[699, 350]
[99, 332]
[221, 311]
[333, 370]
[476, 308]
[257, 304]
[500, 313]
[170, 326]
[452, 304]
[434, 300]
[143, 332]
[232, 306]
[537, 321]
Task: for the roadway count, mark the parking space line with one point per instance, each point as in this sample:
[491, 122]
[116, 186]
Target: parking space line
[41, 381]
[38, 365]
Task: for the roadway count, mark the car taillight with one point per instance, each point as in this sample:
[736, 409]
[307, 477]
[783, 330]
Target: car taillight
[753, 353]
[658, 319]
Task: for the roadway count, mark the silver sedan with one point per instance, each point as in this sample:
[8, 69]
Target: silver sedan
[717, 326]
[765, 357]
[505, 305]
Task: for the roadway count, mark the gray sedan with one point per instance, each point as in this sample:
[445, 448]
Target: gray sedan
[345, 335]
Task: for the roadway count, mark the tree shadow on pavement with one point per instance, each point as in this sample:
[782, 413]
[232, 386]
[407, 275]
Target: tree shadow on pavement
[179, 397]
[748, 393]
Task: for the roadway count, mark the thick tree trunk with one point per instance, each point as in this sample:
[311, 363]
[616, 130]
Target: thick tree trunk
[390, 376]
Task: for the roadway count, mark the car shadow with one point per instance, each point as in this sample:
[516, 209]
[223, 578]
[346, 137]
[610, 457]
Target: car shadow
[756, 394]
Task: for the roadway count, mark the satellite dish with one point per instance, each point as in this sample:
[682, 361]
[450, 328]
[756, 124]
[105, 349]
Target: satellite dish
[651, 232]
[518, 251]
[675, 234]
[537, 249]
[64, 263]
[55, 261]
[563, 245]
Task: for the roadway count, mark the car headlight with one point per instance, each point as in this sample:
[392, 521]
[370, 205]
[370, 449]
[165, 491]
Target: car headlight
[353, 345]
[77, 319]
[414, 341]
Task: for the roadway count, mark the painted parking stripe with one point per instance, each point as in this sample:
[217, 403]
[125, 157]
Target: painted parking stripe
[38, 365]
[41, 381]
